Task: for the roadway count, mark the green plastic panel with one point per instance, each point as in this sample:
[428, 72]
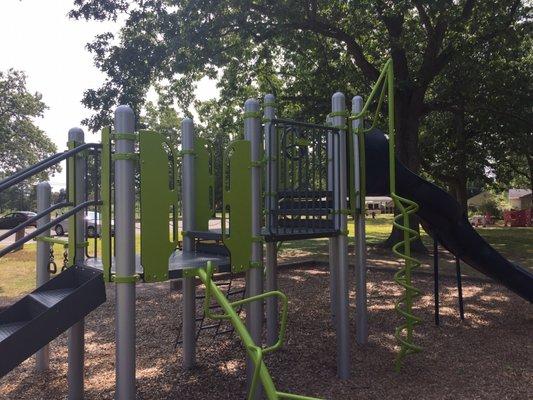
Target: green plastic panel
[105, 196]
[71, 194]
[204, 183]
[159, 199]
[237, 199]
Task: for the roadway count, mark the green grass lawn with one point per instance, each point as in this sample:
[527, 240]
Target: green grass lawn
[17, 270]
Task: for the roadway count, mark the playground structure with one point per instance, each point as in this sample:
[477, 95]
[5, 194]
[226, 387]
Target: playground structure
[285, 180]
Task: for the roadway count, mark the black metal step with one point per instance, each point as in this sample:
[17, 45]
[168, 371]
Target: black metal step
[294, 233]
[304, 224]
[305, 194]
[51, 297]
[303, 211]
[8, 329]
[48, 311]
[304, 203]
[212, 248]
[212, 234]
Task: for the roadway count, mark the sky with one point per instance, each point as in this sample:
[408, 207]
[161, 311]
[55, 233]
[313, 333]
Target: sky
[39, 39]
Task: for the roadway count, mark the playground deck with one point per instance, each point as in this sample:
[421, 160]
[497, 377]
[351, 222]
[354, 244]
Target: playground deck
[177, 262]
[485, 356]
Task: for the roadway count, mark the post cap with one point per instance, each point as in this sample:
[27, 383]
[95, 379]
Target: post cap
[124, 119]
[251, 105]
[76, 135]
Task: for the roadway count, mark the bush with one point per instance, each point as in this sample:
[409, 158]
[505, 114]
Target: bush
[491, 207]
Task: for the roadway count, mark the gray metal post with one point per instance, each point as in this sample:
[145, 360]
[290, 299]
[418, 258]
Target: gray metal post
[254, 276]
[76, 334]
[189, 288]
[332, 242]
[338, 105]
[361, 316]
[42, 357]
[271, 278]
[125, 253]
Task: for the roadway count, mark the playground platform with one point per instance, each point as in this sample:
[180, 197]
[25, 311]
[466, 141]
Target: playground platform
[177, 263]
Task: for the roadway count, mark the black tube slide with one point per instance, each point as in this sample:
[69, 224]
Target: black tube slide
[444, 217]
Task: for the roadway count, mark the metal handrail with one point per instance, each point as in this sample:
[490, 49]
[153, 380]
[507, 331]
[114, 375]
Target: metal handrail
[38, 216]
[285, 121]
[49, 225]
[44, 164]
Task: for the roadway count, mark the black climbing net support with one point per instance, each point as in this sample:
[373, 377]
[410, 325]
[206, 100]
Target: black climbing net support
[303, 202]
[218, 327]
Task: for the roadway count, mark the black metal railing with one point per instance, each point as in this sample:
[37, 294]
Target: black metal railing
[33, 219]
[44, 164]
[49, 225]
[304, 202]
[92, 149]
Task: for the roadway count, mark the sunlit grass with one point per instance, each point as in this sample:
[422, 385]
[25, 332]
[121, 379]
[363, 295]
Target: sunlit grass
[17, 270]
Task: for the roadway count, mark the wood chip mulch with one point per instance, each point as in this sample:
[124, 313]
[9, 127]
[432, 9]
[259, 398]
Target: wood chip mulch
[487, 356]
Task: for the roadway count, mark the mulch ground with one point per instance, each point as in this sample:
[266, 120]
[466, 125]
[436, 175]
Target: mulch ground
[487, 356]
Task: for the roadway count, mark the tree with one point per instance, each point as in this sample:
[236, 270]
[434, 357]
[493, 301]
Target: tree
[299, 49]
[509, 116]
[482, 114]
[22, 143]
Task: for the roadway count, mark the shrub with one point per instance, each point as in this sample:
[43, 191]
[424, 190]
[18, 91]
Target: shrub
[491, 207]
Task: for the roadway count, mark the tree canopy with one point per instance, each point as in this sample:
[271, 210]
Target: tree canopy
[461, 69]
[22, 143]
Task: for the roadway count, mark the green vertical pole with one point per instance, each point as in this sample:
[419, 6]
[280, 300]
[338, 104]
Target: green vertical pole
[105, 196]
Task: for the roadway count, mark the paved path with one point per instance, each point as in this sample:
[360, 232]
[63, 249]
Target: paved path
[11, 239]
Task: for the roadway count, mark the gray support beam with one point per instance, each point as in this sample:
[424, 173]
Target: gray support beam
[332, 241]
[189, 288]
[76, 334]
[361, 316]
[271, 278]
[125, 254]
[254, 276]
[42, 357]
[338, 107]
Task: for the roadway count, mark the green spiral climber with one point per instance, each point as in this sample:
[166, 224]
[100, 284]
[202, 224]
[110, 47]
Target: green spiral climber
[404, 333]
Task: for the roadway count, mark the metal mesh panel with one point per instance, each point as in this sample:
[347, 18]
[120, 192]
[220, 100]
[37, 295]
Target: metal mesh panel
[303, 203]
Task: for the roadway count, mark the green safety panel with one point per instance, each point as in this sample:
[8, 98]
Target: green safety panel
[352, 195]
[204, 183]
[159, 204]
[237, 204]
[106, 198]
[71, 193]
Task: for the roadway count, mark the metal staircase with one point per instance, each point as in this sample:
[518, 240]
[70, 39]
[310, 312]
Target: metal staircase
[48, 311]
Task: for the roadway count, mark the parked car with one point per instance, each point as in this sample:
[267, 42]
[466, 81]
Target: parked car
[13, 219]
[91, 228]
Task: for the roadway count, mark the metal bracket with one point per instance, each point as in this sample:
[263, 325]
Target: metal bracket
[124, 136]
[125, 279]
[125, 156]
[252, 114]
[256, 264]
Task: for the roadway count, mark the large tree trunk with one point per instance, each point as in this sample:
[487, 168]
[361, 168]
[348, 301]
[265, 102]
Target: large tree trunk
[530, 166]
[408, 113]
[460, 189]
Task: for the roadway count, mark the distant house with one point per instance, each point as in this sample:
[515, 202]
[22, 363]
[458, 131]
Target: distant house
[479, 199]
[520, 199]
[379, 204]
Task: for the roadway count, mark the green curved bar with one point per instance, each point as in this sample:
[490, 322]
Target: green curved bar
[255, 352]
[406, 207]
